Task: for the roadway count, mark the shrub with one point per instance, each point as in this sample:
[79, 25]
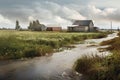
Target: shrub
[97, 68]
[31, 53]
[85, 64]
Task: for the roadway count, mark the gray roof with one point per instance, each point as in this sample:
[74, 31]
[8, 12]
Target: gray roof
[82, 22]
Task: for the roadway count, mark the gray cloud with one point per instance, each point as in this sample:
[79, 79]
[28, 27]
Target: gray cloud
[57, 11]
[111, 14]
[49, 12]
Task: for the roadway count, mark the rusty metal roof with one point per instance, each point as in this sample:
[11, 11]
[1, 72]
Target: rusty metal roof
[82, 22]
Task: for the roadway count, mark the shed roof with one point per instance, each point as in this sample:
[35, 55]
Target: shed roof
[82, 22]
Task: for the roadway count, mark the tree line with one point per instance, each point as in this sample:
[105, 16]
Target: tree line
[34, 26]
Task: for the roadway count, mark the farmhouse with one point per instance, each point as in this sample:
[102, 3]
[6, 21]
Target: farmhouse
[82, 26]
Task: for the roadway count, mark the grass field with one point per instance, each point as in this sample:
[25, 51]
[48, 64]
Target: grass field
[22, 44]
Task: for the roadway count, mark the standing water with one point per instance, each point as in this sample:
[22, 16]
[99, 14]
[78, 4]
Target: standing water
[55, 67]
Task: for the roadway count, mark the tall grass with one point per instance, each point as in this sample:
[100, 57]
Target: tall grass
[13, 48]
[22, 44]
[114, 44]
[99, 68]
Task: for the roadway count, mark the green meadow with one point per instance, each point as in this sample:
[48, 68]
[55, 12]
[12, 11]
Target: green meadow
[29, 44]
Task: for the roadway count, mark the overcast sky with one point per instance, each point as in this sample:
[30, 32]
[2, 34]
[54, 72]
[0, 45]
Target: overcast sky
[59, 12]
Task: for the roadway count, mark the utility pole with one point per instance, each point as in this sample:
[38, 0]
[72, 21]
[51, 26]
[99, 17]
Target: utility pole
[111, 26]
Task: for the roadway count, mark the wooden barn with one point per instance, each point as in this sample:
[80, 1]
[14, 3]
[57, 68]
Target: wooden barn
[54, 29]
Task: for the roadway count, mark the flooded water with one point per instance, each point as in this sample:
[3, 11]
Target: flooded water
[55, 67]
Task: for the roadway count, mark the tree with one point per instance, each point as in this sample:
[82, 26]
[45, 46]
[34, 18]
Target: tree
[36, 26]
[30, 25]
[17, 25]
[37, 22]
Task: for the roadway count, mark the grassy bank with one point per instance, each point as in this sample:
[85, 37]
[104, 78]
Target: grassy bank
[22, 44]
[114, 44]
[102, 68]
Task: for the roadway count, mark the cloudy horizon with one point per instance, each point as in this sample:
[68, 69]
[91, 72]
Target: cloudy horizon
[60, 12]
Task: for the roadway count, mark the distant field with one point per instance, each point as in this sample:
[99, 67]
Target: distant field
[21, 44]
[33, 35]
